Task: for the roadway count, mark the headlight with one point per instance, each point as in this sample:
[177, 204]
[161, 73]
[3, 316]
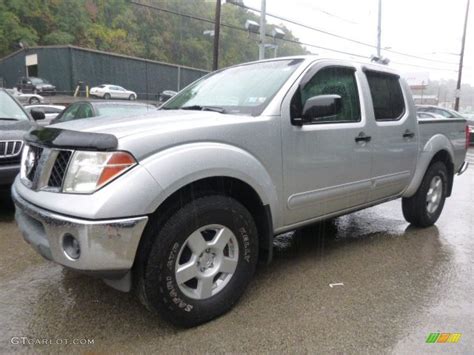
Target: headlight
[89, 171]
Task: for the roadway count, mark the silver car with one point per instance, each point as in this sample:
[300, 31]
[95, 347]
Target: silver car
[30, 99]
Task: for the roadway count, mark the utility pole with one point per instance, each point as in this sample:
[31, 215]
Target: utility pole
[379, 31]
[422, 89]
[217, 29]
[461, 59]
[261, 49]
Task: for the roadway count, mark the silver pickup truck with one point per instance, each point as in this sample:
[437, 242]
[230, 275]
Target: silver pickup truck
[180, 204]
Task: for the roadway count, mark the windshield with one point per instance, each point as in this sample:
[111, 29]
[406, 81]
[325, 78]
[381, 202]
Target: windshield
[123, 110]
[456, 114]
[39, 81]
[9, 109]
[243, 89]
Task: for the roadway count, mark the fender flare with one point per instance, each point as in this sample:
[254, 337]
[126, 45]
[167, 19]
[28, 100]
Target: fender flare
[435, 144]
[177, 167]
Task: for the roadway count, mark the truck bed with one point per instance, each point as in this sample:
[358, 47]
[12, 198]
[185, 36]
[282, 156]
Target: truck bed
[453, 129]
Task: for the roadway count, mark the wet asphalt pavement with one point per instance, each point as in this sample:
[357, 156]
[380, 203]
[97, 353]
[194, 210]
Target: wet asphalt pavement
[399, 285]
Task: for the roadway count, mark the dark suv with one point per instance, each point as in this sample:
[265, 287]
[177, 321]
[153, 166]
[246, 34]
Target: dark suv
[14, 123]
[36, 86]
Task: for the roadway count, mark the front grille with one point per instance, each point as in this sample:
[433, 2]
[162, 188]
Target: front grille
[59, 169]
[44, 168]
[9, 149]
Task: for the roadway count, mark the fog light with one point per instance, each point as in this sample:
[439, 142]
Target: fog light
[71, 246]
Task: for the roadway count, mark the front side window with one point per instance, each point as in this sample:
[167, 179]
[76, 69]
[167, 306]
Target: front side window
[245, 89]
[331, 81]
[387, 96]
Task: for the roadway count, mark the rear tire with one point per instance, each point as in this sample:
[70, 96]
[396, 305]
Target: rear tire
[132, 97]
[107, 96]
[214, 238]
[424, 207]
[33, 101]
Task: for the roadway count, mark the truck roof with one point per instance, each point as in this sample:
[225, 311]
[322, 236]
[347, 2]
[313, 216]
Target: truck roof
[308, 58]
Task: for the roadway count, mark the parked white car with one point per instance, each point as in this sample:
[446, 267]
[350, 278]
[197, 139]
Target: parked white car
[107, 91]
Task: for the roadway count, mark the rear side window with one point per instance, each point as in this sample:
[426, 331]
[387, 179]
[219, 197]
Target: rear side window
[387, 96]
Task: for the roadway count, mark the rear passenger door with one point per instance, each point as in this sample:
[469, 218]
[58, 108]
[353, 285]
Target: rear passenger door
[395, 144]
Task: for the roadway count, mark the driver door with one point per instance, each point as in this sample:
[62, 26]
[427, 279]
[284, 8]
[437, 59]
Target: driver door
[327, 167]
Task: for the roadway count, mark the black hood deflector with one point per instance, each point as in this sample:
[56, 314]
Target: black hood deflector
[66, 139]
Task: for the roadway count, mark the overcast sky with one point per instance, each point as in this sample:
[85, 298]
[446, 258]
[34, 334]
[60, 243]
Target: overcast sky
[424, 28]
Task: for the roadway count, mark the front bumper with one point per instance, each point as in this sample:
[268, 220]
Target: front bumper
[107, 247]
[46, 90]
[8, 173]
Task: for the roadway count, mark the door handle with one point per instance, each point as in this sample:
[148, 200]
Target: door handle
[362, 138]
[408, 134]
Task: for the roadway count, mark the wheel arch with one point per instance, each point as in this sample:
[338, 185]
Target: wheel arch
[219, 185]
[438, 148]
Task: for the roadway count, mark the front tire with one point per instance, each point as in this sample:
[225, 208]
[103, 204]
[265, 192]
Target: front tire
[201, 260]
[424, 208]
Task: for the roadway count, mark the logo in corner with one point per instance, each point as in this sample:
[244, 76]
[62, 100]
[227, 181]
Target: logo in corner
[443, 338]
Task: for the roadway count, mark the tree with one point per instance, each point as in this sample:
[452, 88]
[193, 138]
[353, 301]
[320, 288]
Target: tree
[121, 27]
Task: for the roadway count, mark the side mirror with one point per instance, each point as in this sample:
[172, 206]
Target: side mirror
[321, 106]
[37, 115]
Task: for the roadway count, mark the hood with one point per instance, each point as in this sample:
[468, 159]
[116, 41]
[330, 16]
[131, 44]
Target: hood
[43, 86]
[11, 130]
[161, 121]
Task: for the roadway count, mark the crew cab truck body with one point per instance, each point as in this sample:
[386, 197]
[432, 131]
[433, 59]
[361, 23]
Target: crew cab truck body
[180, 203]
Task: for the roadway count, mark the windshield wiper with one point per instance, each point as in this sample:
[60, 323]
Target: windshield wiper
[204, 108]
[8, 119]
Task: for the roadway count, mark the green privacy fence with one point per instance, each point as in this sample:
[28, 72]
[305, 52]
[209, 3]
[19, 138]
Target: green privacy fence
[65, 66]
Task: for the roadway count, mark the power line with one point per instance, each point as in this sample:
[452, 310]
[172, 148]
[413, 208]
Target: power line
[198, 18]
[242, 29]
[425, 67]
[172, 12]
[336, 35]
[335, 16]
